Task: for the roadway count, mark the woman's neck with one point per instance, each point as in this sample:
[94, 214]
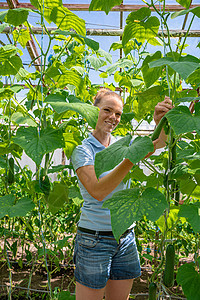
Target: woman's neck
[103, 138]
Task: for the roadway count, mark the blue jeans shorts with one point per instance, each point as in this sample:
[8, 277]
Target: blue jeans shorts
[98, 258]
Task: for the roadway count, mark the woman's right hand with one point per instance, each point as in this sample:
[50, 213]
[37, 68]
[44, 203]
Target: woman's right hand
[154, 144]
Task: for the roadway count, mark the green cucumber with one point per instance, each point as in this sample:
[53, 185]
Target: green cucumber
[158, 129]
[177, 194]
[173, 160]
[152, 291]
[11, 173]
[168, 276]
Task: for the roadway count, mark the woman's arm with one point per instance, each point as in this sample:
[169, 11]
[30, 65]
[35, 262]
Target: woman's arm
[101, 188]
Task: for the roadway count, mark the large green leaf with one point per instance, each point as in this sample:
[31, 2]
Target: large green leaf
[189, 279]
[182, 121]
[22, 36]
[75, 195]
[121, 63]
[3, 163]
[192, 214]
[171, 220]
[3, 26]
[150, 75]
[108, 158]
[36, 144]
[87, 111]
[65, 295]
[10, 66]
[184, 66]
[6, 93]
[147, 101]
[2, 15]
[70, 143]
[96, 62]
[58, 197]
[129, 205]
[17, 16]
[194, 79]
[187, 186]
[48, 7]
[104, 5]
[62, 77]
[19, 118]
[54, 11]
[85, 40]
[140, 26]
[186, 99]
[185, 3]
[195, 11]
[139, 15]
[105, 54]
[12, 209]
[66, 20]
[10, 63]
[7, 52]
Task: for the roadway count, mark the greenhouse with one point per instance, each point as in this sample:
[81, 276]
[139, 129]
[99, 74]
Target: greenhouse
[100, 149]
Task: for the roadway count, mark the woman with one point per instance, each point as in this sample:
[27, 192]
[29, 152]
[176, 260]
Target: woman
[103, 266]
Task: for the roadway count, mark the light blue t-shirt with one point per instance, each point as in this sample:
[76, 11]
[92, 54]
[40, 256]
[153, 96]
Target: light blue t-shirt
[93, 216]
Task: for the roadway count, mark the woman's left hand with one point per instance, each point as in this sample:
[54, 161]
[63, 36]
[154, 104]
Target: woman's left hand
[161, 109]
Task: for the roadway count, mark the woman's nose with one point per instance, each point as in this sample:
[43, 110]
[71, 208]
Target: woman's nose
[113, 116]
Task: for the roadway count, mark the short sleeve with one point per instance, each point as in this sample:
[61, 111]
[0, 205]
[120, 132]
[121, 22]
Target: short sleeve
[82, 156]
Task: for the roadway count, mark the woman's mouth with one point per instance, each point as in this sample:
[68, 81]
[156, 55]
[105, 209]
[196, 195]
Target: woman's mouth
[110, 123]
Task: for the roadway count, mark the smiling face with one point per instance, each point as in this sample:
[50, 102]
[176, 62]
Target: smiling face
[110, 113]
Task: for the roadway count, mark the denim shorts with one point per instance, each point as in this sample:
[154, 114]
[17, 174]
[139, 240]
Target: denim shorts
[98, 258]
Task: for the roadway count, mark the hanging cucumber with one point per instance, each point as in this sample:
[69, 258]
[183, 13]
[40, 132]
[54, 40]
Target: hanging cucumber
[158, 129]
[11, 173]
[173, 160]
[152, 291]
[175, 187]
[177, 194]
[168, 276]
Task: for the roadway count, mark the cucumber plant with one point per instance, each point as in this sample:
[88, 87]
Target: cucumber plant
[58, 112]
[160, 75]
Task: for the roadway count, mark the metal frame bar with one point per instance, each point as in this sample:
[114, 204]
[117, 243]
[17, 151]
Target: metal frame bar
[85, 7]
[113, 32]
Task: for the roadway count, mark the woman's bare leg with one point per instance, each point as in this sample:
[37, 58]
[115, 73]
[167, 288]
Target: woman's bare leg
[118, 289]
[86, 293]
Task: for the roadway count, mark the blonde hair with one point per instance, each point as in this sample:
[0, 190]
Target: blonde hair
[104, 92]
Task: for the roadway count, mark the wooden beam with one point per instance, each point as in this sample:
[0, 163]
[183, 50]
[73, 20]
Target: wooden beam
[122, 7]
[30, 45]
[12, 3]
[114, 32]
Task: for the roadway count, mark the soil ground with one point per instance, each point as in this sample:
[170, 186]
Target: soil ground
[63, 279]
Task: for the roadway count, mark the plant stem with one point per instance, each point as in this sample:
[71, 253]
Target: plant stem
[24, 110]
[182, 47]
[44, 249]
[8, 264]
[30, 276]
[150, 167]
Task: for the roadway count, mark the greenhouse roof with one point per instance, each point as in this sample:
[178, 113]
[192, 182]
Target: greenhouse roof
[107, 29]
